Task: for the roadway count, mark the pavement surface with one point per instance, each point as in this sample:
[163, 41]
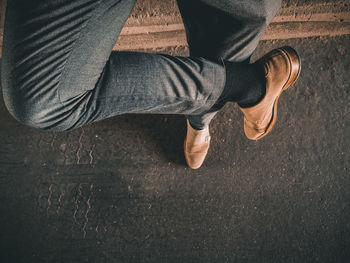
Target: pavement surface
[119, 190]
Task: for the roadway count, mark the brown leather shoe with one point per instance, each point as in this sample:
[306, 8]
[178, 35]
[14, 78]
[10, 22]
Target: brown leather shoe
[196, 146]
[282, 68]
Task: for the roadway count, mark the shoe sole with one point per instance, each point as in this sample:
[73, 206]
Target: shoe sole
[295, 65]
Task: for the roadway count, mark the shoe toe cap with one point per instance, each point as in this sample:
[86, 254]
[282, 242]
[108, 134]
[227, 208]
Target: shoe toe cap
[195, 160]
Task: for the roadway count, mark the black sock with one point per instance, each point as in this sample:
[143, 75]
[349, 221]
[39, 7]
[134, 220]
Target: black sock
[196, 126]
[245, 84]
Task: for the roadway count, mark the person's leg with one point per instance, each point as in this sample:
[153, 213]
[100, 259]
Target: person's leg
[59, 71]
[226, 30]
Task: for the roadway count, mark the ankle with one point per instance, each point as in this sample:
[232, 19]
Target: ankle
[257, 89]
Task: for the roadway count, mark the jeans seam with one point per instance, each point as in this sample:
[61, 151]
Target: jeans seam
[165, 97]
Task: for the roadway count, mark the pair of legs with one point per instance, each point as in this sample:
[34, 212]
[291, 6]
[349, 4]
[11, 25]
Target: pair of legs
[59, 71]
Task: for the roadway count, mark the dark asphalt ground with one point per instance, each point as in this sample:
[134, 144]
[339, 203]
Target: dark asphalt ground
[119, 191]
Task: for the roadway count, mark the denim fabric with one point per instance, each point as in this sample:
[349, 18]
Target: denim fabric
[59, 71]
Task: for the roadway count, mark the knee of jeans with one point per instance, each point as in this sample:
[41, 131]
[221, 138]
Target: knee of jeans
[29, 117]
[39, 114]
[34, 99]
[259, 21]
[37, 104]
[263, 16]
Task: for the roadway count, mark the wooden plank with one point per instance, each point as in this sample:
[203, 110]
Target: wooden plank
[330, 18]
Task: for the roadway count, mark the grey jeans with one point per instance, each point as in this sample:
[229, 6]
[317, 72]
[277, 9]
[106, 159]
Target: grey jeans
[59, 71]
